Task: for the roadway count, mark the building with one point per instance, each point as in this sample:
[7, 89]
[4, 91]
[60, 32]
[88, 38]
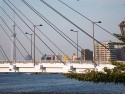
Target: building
[105, 52]
[65, 58]
[74, 57]
[58, 57]
[86, 54]
[28, 57]
[51, 57]
[120, 54]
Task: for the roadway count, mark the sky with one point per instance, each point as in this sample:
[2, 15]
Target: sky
[109, 12]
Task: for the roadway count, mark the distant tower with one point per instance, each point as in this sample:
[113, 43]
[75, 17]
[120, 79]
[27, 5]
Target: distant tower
[13, 50]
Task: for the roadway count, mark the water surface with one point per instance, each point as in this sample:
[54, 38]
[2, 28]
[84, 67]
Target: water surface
[53, 83]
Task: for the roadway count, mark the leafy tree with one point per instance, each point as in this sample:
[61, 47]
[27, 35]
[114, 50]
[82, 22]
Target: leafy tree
[122, 39]
[115, 75]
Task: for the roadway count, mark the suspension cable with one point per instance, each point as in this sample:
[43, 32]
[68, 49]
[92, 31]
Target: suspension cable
[4, 53]
[33, 31]
[85, 17]
[38, 29]
[12, 41]
[16, 37]
[20, 29]
[49, 23]
[72, 23]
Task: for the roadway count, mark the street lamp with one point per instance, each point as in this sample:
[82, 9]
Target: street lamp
[34, 40]
[94, 40]
[77, 41]
[31, 42]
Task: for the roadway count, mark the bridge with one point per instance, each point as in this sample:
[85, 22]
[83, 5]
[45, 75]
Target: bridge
[52, 66]
[20, 42]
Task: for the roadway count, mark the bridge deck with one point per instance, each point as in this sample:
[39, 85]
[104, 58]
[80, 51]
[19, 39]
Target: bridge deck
[51, 66]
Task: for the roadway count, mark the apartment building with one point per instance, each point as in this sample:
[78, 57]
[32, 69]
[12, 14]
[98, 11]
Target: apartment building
[86, 54]
[105, 52]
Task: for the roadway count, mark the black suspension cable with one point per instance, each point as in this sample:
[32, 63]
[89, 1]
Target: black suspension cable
[85, 17]
[20, 29]
[33, 31]
[5, 53]
[12, 41]
[49, 23]
[22, 19]
[38, 29]
[76, 26]
[2, 54]
[16, 37]
[72, 23]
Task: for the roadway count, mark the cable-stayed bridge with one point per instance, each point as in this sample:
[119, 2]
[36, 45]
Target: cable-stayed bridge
[26, 23]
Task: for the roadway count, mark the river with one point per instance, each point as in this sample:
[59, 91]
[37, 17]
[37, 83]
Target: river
[53, 84]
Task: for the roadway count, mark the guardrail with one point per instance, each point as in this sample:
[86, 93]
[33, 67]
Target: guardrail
[56, 61]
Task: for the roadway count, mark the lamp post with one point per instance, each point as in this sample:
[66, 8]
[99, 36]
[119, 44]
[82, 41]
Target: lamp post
[77, 41]
[34, 41]
[31, 42]
[94, 40]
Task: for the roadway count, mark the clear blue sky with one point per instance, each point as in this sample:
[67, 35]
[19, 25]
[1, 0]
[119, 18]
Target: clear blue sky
[110, 12]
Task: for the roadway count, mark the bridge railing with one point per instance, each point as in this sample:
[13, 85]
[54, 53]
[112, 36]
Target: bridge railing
[17, 61]
[5, 61]
[57, 61]
[44, 61]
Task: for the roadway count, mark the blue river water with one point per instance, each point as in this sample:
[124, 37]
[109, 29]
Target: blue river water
[53, 83]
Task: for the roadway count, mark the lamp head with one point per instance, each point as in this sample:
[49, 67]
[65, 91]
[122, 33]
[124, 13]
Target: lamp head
[40, 25]
[99, 22]
[26, 33]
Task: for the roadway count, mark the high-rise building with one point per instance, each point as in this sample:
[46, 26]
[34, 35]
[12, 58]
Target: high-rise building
[86, 54]
[105, 52]
[120, 54]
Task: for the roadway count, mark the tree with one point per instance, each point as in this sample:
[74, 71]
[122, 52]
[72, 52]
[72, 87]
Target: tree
[115, 75]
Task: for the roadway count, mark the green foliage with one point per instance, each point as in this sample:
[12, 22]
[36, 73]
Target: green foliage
[120, 37]
[97, 77]
[116, 75]
[119, 66]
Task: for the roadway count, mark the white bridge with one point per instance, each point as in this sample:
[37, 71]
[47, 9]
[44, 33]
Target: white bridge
[46, 66]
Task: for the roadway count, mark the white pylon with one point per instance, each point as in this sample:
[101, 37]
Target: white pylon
[13, 49]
